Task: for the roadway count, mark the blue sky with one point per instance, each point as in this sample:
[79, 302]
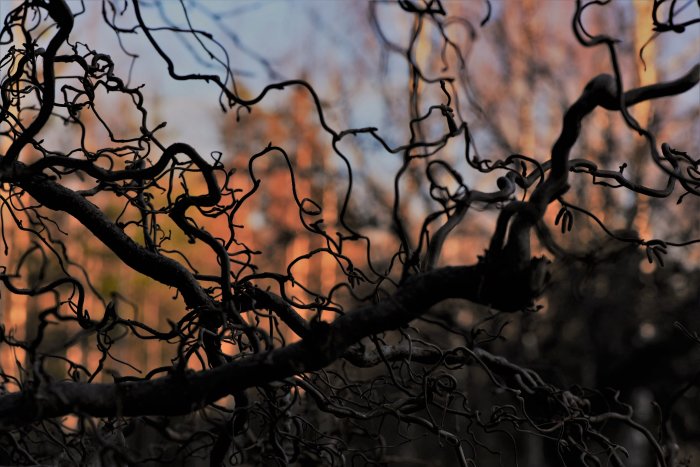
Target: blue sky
[303, 38]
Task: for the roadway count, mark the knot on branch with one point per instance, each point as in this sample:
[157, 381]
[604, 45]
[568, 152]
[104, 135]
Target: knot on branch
[603, 91]
[321, 344]
[509, 288]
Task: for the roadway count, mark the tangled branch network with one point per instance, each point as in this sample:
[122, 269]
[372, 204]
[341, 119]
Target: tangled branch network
[263, 370]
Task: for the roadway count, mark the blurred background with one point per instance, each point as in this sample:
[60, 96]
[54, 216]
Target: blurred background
[607, 319]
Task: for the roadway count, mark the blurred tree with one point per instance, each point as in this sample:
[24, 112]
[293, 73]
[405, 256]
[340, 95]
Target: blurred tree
[330, 305]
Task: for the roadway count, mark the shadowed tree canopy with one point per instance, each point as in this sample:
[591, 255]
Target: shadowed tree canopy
[316, 292]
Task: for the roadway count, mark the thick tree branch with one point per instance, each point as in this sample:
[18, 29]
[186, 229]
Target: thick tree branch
[184, 393]
[163, 269]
